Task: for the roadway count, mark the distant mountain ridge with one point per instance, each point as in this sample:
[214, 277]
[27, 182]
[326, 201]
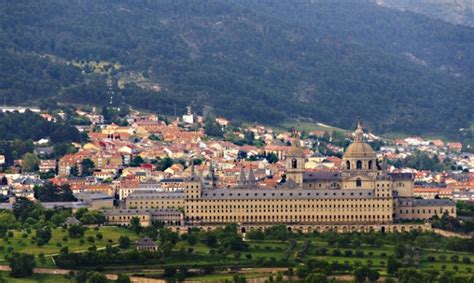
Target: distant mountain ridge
[264, 61]
[453, 11]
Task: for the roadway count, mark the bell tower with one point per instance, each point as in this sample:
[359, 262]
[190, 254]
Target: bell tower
[295, 160]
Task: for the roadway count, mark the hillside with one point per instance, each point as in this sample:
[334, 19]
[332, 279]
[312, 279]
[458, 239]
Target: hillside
[457, 12]
[331, 61]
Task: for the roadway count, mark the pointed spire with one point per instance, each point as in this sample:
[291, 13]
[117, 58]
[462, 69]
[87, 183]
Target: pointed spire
[242, 179]
[211, 170]
[359, 123]
[193, 172]
[251, 179]
[359, 132]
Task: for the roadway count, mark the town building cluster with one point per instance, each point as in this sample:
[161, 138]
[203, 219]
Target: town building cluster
[175, 173]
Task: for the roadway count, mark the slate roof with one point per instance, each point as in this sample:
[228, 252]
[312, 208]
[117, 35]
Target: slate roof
[146, 242]
[323, 175]
[286, 194]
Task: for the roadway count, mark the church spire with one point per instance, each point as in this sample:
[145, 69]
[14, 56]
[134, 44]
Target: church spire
[251, 179]
[193, 172]
[359, 132]
[242, 179]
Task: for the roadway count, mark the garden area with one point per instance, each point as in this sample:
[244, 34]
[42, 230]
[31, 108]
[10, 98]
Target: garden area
[31, 236]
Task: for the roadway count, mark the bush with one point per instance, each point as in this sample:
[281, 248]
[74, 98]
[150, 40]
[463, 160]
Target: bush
[90, 239]
[359, 253]
[430, 259]
[348, 253]
[322, 251]
[169, 271]
[466, 260]
[454, 258]
[99, 236]
[336, 252]
[248, 256]
[124, 242]
[76, 231]
[21, 264]
[255, 234]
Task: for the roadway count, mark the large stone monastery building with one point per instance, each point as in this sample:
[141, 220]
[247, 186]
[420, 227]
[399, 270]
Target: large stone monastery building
[361, 195]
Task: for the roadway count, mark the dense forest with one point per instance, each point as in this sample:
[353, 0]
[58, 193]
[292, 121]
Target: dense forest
[264, 61]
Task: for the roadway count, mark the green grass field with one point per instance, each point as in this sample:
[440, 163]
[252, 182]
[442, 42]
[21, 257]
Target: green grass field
[199, 255]
[19, 243]
[36, 278]
[377, 257]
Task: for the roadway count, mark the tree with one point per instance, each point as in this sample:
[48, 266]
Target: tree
[96, 277]
[137, 161]
[23, 209]
[373, 275]
[43, 235]
[278, 232]
[122, 278]
[169, 271]
[92, 217]
[21, 264]
[400, 250]
[87, 167]
[50, 192]
[212, 128]
[255, 234]
[30, 162]
[272, 158]
[76, 231]
[165, 163]
[124, 242]
[166, 248]
[135, 224]
[360, 274]
[192, 239]
[393, 265]
[3, 181]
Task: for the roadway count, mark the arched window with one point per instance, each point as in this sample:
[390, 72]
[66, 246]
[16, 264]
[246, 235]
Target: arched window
[359, 165]
[370, 164]
[358, 182]
[348, 165]
[294, 163]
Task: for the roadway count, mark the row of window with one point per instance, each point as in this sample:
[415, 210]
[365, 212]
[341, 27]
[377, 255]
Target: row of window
[424, 211]
[284, 194]
[286, 206]
[350, 217]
